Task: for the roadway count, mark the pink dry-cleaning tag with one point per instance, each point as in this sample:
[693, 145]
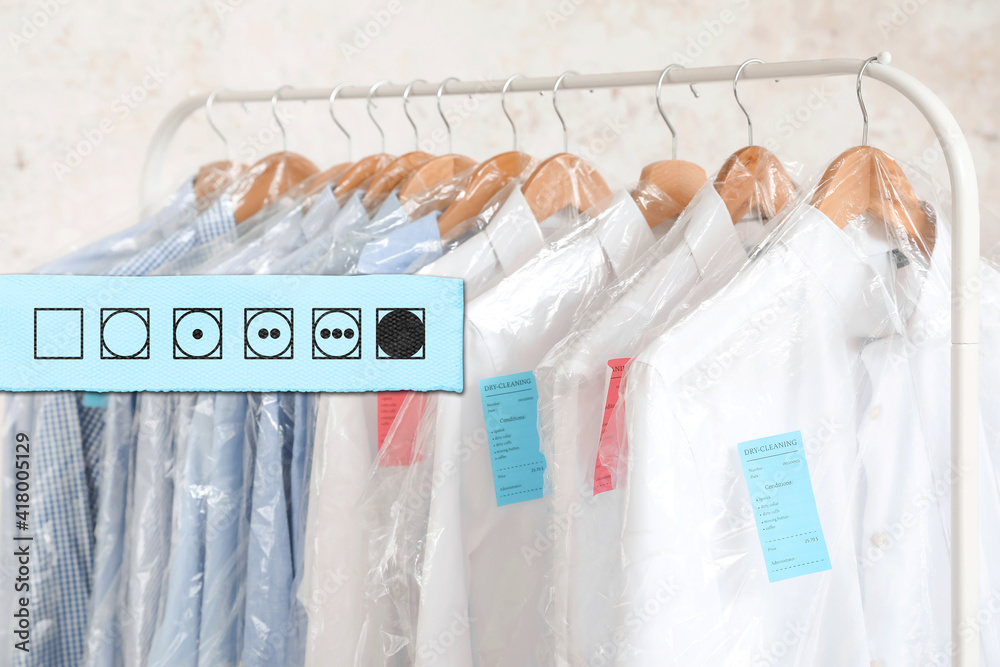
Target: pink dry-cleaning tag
[401, 445]
[606, 469]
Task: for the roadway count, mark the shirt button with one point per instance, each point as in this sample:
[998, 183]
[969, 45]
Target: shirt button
[881, 540]
[875, 411]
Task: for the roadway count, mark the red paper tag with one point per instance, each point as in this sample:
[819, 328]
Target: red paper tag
[606, 470]
[402, 444]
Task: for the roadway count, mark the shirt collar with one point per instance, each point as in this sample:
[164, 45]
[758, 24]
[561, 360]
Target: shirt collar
[403, 249]
[848, 263]
[514, 232]
[218, 219]
[323, 208]
[710, 233]
[388, 205]
[390, 215]
[622, 231]
[351, 214]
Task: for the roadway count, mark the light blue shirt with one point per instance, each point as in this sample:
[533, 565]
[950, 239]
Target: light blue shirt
[67, 448]
[269, 560]
[175, 643]
[98, 257]
[134, 555]
[326, 241]
[119, 443]
[404, 249]
[226, 534]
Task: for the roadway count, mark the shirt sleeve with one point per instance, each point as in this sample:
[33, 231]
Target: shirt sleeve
[670, 596]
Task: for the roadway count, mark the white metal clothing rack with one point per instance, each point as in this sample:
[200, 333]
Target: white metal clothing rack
[965, 258]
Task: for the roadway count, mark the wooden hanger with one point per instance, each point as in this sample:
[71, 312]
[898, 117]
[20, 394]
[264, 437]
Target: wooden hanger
[216, 176]
[432, 174]
[272, 176]
[563, 179]
[337, 171]
[753, 177]
[489, 177]
[386, 180]
[676, 181]
[438, 171]
[361, 172]
[365, 169]
[866, 180]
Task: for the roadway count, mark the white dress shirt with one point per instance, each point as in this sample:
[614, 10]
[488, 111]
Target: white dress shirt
[843, 336]
[481, 590]
[337, 535]
[777, 350]
[904, 493]
[703, 247]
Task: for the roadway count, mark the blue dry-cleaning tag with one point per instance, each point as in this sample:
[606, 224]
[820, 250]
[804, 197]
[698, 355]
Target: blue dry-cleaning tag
[230, 333]
[784, 507]
[510, 407]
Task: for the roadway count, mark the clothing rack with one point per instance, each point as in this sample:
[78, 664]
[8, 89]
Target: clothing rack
[965, 256]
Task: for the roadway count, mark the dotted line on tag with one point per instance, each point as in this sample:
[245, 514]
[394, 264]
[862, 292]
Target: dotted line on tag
[517, 493]
[790, 567]
[790, 537]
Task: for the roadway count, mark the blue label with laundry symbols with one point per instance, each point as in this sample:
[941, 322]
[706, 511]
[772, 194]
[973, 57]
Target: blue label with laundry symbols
[230, 333]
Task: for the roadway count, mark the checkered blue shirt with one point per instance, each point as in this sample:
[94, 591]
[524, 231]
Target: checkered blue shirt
[66, 463]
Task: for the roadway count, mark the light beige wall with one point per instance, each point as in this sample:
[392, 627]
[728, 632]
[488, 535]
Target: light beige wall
[73, 77]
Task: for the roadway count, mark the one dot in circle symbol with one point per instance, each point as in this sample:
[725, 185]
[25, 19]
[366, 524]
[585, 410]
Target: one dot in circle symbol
[197, 334]
[262, 333]
[325, 333]
[337, 333]
[349, 334]
[275, 334]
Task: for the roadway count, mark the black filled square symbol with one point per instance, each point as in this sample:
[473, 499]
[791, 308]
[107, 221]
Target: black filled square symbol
[268, 333]
[197, 333]
[124, 333]
[399, 333]
[336, 333]
[58, 333]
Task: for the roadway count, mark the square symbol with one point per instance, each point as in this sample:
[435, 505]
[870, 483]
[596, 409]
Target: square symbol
[124, 333]
[197, 333]
[399, 333]
[268, 333]
[58, 333]
[336, 333]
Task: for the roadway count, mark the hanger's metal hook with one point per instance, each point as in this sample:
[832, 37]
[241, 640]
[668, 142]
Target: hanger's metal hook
[406, 110]
[369, 104]
[663, 114]
[736, 94]
[861, 99]
[441, 111]
[274, 112]
[555, 89]
[211, 121]
[503, 105]
[333, 115]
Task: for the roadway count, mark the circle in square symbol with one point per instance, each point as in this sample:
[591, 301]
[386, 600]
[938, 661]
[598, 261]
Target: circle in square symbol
[268, 333]
[399, 333]
[124, 333]
[336, 333]
[197, 333]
